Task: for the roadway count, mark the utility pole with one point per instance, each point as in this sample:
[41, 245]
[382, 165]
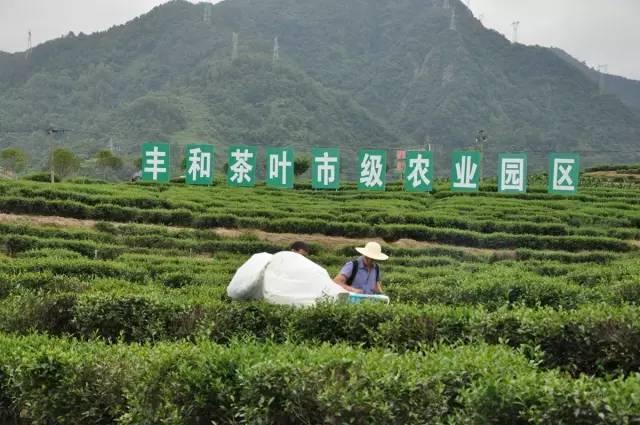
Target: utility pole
[234, 50]
[452, 24]
[445, 4]
[516, 25]
[276, 50]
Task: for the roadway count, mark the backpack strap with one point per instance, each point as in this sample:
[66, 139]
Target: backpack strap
[354, 271]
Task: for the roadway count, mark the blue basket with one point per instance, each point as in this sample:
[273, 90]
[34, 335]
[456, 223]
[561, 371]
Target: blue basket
[362, 298]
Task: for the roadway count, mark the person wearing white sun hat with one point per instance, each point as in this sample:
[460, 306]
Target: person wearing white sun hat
[362, 276]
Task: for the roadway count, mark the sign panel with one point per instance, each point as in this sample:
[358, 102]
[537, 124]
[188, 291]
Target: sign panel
[512, 173]
[280, 168]
[242, 166]
[564, 173]
[199, 160]
[465, 171]
[325, 168]
[156, 162]
[418, 176]
[373, 169]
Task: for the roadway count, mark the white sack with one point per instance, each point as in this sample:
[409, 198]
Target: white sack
[292, 279]
[247, 283]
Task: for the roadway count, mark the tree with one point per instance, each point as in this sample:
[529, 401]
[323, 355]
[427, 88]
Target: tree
[13, 160]
[301, 165]
[106, 160]
[64, 163]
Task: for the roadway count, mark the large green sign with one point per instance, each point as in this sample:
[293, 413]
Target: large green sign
[156, 162]
[280, 167]
[418, 171]
[564, 173]
[199, 160]
[512, 173]
[325, 168]
[242, 166]
[373, 169]
[465, 171]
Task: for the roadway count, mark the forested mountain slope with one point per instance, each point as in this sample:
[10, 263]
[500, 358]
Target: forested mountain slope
[363, 73]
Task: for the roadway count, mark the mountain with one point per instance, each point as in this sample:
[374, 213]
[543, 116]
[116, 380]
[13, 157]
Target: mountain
[362, 73]
[626, 89]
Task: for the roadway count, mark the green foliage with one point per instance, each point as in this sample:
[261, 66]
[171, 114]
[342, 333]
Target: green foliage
[301, 165]
[13, 160]
[41, 177]
[70, 382]
[64, 163]
[544, 329]
[106, 160]
[367, 74]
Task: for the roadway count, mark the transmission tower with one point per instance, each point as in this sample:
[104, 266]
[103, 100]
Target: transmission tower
[29, 45]
[207, 13]
[234, 50]
[452, 24]
[602, 70]
[276, 50]
[516, 25]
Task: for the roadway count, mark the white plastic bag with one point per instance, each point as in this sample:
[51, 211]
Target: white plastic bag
[247, 283]
[292, 279]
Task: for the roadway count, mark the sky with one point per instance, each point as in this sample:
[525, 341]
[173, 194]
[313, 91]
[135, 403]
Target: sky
[600, 32]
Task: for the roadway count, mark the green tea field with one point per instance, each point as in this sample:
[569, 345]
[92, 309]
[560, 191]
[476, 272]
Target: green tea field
[505, 309]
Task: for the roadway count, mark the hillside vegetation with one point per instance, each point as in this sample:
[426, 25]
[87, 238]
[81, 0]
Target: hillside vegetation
[358, 74]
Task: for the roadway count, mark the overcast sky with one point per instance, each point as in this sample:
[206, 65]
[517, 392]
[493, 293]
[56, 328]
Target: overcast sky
[595, 31]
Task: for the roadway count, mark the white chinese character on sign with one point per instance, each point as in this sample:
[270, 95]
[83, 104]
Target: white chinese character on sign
[326, 169]
[512, 174]
[465, 173]
[241, 168]
[562, 174]
[200, 163]
[154, 161]
[371, 170]
[278, 167]
[419, 168]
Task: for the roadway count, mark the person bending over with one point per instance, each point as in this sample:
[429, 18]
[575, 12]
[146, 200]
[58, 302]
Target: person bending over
[301, 248]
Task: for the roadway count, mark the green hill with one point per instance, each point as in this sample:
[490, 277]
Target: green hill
[626, 89]
[350, 74]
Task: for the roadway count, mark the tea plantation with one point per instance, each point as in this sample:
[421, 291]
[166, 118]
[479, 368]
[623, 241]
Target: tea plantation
[505, 309]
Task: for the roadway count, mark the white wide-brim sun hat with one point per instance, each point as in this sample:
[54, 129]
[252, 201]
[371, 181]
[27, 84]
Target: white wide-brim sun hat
[373, 250]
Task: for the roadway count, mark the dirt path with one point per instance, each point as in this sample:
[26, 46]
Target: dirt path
[45, 220]
[279, 238]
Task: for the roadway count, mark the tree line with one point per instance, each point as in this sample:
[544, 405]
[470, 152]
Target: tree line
[62, 163]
